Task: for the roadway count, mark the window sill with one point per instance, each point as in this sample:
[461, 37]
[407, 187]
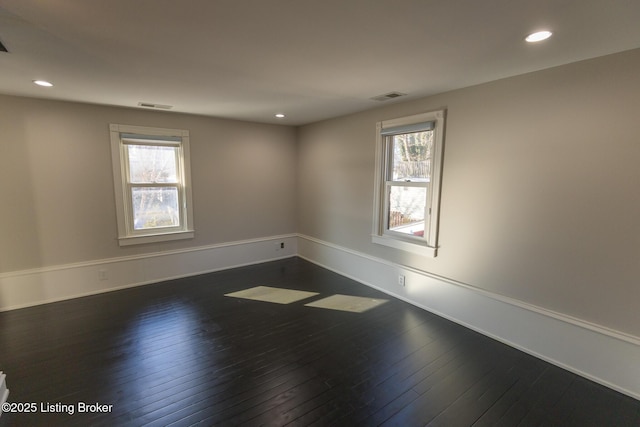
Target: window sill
[415, 248]
[155, 238]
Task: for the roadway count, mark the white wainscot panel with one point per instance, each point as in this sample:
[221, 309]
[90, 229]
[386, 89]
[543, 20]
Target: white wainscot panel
[39, 286]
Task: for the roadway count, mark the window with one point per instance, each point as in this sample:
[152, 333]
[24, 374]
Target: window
[152, 184]
[407, 195]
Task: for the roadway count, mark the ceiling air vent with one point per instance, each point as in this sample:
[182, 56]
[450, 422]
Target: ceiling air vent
[388, 96]
[151, 105]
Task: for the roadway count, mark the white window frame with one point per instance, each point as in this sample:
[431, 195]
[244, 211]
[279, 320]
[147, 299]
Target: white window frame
[428, 243]
[121, 136]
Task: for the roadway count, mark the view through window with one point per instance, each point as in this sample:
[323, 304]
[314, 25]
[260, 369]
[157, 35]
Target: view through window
[409, 182]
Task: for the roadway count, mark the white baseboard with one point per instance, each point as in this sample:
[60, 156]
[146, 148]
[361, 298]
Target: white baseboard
[43, 285]
[608, 357]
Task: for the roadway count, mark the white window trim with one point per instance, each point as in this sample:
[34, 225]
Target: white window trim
[429, 245]
[126, 235]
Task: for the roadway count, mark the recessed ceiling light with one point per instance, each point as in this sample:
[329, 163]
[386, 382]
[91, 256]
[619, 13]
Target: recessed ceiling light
[538, 36]
[43, 83]
[280, 116]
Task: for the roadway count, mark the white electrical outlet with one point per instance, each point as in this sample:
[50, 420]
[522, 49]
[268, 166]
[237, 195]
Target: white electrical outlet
[401, 280]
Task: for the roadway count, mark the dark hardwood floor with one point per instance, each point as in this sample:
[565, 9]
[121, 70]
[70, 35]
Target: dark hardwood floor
[181, 353]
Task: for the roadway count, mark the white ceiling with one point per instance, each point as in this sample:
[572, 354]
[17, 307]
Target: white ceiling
[310, 59]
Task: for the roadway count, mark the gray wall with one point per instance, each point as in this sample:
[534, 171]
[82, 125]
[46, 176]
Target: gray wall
[57, 187]
[540, 188]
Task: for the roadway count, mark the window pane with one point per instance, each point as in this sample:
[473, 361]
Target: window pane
[406, 209]
[152, 163]
[155, 207]
[412, 156]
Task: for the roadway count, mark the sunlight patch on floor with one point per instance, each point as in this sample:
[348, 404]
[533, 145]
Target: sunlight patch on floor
[347, 303]
[269, 294]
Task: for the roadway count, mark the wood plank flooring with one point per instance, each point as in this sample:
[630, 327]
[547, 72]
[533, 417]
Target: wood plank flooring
[180, 353]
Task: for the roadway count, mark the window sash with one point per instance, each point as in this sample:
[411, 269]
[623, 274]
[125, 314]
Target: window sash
[388, 141]
[178, 156]
[426, 210]
[130, 218]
